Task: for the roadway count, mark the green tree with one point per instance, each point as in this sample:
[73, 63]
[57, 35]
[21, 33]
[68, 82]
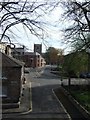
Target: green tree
[51, 55]
[77, 33]
[83, 44]
[75, 63]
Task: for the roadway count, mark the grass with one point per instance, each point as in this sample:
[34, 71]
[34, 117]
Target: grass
[82, 95]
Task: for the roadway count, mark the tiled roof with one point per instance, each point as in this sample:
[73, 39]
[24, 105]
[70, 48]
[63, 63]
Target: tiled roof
[10, 61]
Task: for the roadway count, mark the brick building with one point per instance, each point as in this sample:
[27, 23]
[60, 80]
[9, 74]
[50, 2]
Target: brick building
[12, 72]
[33, 59]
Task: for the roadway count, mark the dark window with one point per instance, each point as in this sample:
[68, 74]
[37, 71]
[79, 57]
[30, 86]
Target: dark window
[19, 53]
[31, 61]
[37, 48]
[3, 91]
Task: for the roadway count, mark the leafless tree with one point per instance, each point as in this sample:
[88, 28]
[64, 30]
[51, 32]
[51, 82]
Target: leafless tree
[77, 16]
[29, 13]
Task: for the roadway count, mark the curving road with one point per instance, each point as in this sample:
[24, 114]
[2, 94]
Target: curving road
[44, 100]
[44, 103]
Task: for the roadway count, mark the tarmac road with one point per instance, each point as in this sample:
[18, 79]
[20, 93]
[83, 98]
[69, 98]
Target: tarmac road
[44, 104]
[43, 99]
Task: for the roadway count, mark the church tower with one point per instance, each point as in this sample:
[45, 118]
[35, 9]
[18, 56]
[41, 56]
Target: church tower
[38, 48]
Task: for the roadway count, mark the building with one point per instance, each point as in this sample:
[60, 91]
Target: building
[11, 74]
[17, 51]
[38, 48]
[33, 59]
[39, 60]
[5, 48]
[29, 59]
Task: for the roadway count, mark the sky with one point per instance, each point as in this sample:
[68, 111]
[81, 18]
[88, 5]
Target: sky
[53, 39]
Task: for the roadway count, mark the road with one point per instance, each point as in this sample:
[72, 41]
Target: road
[44, 100]
[44, 103]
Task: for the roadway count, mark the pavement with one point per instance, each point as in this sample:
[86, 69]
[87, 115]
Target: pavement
[74, 109]
[25, 102]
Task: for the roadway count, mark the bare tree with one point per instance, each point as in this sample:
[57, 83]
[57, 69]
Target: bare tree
[77, 27]
[29, 13]
[77, 15]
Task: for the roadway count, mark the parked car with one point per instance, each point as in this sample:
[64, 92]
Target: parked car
[88, 75]
[84, 75]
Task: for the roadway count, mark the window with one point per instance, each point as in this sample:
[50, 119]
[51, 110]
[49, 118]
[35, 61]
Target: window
[18, 53]
[37, 48]
[41, 60]
[31, 60]
[3, 88]
[3, 91]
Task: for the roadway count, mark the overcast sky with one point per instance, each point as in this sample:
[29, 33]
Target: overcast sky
[53, 39]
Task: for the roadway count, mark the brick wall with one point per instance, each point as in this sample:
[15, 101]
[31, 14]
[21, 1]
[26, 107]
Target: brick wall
[13, 83]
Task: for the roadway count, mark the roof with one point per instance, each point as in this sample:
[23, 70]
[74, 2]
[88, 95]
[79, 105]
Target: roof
[28, 53]
[8, 61]
[36, 53]
[31, 53]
